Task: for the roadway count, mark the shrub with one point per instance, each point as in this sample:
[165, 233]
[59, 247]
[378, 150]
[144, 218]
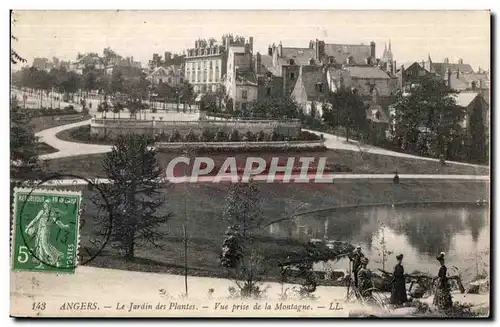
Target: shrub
[220, 136]
[207, 135]
[234, 136]
[191, 137]
[308, 136]
[250, 137]
[175, 137]
[261, 136]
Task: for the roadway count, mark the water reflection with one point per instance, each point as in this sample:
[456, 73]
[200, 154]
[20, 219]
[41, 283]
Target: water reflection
[417, 231]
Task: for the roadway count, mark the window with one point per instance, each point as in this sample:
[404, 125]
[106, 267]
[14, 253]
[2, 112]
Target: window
[268, 91]
[292, 76]
[244, 94]
[160, 80]
[377, 115]
[181, 80]
[169, 80]
[331, 60]
[319, 86]
[243, 106]
[291, 62]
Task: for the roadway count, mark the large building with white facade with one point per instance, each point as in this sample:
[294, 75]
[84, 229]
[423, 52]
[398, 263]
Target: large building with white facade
[206, 63]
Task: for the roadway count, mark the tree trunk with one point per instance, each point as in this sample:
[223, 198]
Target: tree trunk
[129, 251]
[347, 134]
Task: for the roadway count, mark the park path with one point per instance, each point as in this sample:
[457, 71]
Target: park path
[108, 287]
[339, 143]
[70, 149]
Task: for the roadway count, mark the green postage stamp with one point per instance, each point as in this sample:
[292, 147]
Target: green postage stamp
[45, 230]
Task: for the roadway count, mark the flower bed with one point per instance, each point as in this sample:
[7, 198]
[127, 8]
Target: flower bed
[234, 136]
[236, 147]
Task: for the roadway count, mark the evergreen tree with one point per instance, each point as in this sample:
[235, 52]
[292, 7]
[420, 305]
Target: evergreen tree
[477, 137]
[24, 163]
[232, 248]
[243, 208]
[134, 173]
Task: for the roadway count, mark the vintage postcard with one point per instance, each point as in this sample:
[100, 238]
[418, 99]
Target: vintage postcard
[238, 164]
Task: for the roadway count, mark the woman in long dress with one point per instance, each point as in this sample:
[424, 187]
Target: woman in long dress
[442, 296]
[398, 293]
[39, 229]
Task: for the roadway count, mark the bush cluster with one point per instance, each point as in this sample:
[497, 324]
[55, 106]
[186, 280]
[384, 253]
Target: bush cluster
[235, 136]
[69, 110]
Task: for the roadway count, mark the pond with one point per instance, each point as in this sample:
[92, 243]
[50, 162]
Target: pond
[418, 231]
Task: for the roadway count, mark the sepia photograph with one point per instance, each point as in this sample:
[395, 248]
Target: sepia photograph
[250, 164]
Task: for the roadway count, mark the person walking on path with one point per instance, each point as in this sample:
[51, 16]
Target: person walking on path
[398, 292]
[356, 257]
[442, 296]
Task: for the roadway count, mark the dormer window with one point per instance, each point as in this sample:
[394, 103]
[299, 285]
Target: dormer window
[291, 62]
[331, 61]
[292, 76]
[377, 115]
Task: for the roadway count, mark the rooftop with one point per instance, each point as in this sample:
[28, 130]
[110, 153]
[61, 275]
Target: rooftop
[340, 52]
[367, 72]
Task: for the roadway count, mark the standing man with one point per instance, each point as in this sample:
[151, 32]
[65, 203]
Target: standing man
[356, 257]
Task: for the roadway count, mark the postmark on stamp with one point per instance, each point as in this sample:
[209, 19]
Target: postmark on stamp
[45, 232]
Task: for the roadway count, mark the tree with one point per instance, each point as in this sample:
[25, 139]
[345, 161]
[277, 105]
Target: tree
[477, 137]
[117, 81]
[232, 248]
[346, 109]
[243, 208]
[14, 56]
[24, 163]
[134, 173]
[428, 112]
[274, 108]
[109, 56]
[186, 93]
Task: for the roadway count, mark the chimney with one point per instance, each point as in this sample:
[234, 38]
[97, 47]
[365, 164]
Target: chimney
[250, 41]
[460, 61]
[316, 48]
[446, 60]
[280, 50]
[372, 49]
[423, 64]
[258, 61]
[458, 72]
[269, 51]
[448, 71]
[402, 75]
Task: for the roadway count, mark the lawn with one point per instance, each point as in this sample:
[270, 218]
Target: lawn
[90, 165]
[44, 148]
[39, 123]
[202, 215]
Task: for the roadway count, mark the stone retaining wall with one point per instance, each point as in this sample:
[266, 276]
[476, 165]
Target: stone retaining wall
[101, 127]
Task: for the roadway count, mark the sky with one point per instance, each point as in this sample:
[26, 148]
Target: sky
[413, 34]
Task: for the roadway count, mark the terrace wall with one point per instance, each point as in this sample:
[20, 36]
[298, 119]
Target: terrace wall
[102, 127]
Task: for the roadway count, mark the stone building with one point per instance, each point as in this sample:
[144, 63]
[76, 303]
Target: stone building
[311, 89]
[171, 75]
[241, 80]
[286, 61]
[206, 63]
